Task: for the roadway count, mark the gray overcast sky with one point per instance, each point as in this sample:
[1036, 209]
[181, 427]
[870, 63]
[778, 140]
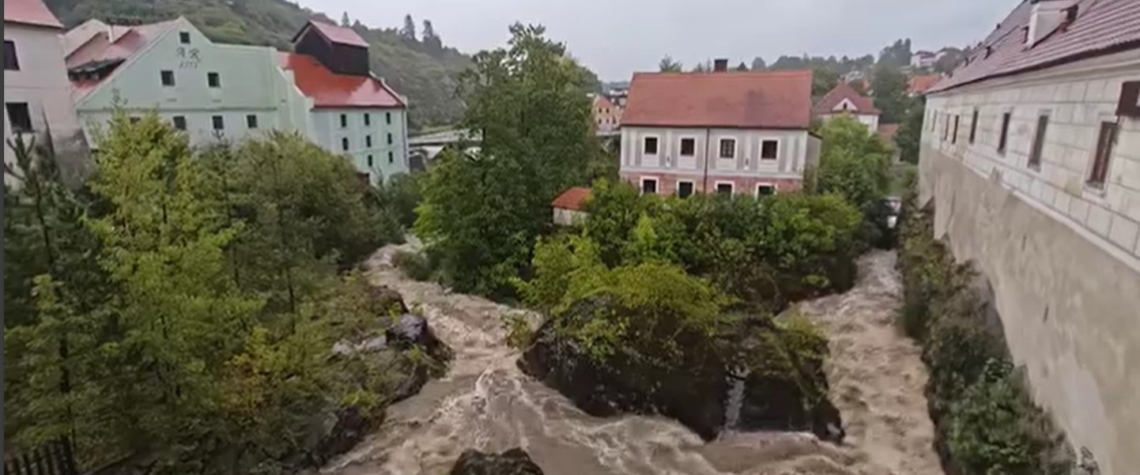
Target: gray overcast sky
[616, 37]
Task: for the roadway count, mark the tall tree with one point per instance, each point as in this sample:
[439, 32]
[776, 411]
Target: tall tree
[758, 64]
[482, 210]
[910, 132]
[854, 162]
[669, 65]
[742, 66]
[428, 31]
[890, 86]
[823, 80]
[430, 40]
[897, 54]
[409, 30]
[344, 21]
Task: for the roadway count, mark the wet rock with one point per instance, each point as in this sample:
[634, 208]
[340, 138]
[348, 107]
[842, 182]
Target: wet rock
[341, 432]
[783, 388]
[413, 331]
[386, 301]
[511, 462]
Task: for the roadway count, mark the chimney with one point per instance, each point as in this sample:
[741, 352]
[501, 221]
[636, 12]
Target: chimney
[720, 65]
[1047, 16]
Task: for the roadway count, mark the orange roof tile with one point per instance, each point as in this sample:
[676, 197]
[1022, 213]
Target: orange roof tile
[328, 89]
[572, 199]
[30, 12]
[752, 99]
[842, 91]
[920, 84]
[602, 101]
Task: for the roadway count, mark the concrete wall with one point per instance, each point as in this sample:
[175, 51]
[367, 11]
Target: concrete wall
[251, 84]
[1062, 256]
[746, 168]
[870, 120]
[387, 159]
[42, 83]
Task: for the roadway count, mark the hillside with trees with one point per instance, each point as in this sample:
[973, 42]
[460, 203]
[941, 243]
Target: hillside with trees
[413, 58]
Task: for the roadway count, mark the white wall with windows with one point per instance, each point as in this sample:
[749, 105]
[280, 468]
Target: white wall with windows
[1055, 138]
[730, 152]
[375, 139]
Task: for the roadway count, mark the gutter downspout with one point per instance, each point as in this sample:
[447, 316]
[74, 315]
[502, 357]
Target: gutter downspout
[705, 179]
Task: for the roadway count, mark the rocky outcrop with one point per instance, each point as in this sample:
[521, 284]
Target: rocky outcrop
[341, 432]
[511, 462]
[784, 387]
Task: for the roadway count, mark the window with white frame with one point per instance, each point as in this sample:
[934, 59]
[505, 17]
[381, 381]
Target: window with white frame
[650, 146]
[765, 189]
[724, 188]
[727, 148]
[648, 186]
[684, 189]
[769, 149]
[688, 147]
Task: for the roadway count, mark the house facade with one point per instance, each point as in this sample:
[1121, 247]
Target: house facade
[727, 132]
[607, 115]
[37, 94]
[232, 92]
[1031, 153]
[845, 100]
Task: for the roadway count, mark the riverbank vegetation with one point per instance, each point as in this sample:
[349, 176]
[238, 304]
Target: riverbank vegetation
[985, 417]
[181, 309]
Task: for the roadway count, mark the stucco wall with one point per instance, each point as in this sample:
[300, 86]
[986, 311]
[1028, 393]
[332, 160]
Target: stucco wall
[789, 164]
[870, 120]
[42, 83]
[1061, 256]
[329, 133]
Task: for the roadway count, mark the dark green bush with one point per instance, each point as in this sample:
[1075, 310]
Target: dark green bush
[415, 265]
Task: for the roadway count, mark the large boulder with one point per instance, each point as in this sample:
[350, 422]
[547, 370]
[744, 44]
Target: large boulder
[511, 462]
[386, 301]
[341, 432]
[781, 369]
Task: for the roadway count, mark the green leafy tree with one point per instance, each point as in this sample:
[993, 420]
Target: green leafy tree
[482, 211]
[854, 163]
[897, 55]
[890, 86]
[909, 136]
[409, 30]
[669, 65]
[823, 80]
[758, 64]
[742, 67]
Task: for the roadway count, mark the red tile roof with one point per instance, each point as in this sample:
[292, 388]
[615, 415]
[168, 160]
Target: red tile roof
[920, 84]
[572, 199]
[1102, 26]
[335, 34]
[759, 100]
[328, 89]
[30, 12]
[602, 101]
[835, 97]
[101, 49]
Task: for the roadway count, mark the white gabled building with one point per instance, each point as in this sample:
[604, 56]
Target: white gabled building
[1031, 154]
[324, 90]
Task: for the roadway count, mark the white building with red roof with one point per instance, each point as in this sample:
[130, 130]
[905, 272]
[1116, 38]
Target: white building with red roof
[725, 131]
[37, 101]
[845, 100]
[1031, 153]
[323, 90]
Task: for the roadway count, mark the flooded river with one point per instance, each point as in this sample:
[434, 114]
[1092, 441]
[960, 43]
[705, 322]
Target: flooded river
[486, 403]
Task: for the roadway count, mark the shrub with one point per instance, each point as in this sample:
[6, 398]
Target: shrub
[414, 265]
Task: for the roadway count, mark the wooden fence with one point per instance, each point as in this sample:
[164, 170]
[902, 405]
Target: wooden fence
[53, 458]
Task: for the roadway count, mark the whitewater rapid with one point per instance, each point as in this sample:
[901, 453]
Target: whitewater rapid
[484, 402]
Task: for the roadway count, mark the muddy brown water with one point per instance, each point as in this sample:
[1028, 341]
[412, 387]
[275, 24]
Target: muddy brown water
[486, 403]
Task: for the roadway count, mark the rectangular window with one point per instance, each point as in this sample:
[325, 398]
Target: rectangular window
[343, 121]
[769, 149]
[370, 161]
[214, 80]
[684, 189]
[184, 37]
[688, 147]
[180, 122]
[648, 186]
[251, 121]
[388, 118]
[974, 127]
[11, 62]
[391, 157]
[389, 139]
[1038, 142]
[727, 148]
[954, 138]
[765, 190]
[650, 146]
[344, 144]
[1105, 143]
[219, 123]
[946, 128]
[724, 188]
[368, 141]
[1003, 139]
[167, 78]
[19, 116]
[367, 119]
